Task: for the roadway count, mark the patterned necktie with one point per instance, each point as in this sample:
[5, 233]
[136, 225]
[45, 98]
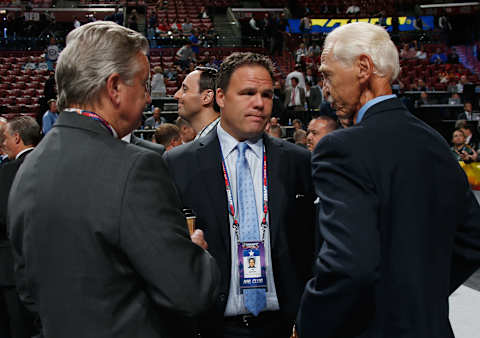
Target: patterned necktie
[254, 299]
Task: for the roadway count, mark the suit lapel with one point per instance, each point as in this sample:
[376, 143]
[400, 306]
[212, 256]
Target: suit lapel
[276, 173]
[210, 163]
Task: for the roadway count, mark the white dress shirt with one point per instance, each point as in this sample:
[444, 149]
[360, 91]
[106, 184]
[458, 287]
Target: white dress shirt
[254, 155]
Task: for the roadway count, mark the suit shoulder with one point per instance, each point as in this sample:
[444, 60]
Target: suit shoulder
[160, 149]
[181, 151]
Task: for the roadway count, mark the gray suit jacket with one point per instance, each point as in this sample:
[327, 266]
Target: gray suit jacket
[100, 243]
[288, 96]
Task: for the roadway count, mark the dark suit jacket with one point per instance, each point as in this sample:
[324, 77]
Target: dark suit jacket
[401, 230]
[100, 243]
[315, 99]
[288, 96]
[7, 174]
[159, 148]
[197, 172]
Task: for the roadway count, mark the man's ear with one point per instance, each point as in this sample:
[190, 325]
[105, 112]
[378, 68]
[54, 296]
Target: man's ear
[17, 138]
[207, 96]
[365, 67]
[220, 97]
[114, 87]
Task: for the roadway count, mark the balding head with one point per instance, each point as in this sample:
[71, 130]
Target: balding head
[318, 128]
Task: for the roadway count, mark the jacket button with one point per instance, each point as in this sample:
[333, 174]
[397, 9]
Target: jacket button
[222, 297]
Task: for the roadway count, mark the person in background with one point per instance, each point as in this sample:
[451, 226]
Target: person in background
[300, 138]
[470, 138]
[196, 100]
[318, 128]
[19, 137]
[168, 135]
[155, 120]
[50, 116]
[275, 131]
[295, 96]
[3, 155]
[297, 124]
[158, 83]
[461, 150]
[467, 112]
[187, 133]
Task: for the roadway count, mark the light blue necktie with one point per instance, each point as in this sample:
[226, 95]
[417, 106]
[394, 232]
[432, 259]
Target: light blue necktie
[254, 299]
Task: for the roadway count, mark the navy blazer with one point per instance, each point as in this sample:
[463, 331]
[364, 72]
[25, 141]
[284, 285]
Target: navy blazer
[401, 230]
[197, 172]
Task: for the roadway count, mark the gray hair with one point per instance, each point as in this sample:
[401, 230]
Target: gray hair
[93, 52]
[349, 41]
[27, 128]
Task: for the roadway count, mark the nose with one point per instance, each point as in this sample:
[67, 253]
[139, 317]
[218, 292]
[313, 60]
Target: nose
[149, 98]
[177, 94]
[258, 101]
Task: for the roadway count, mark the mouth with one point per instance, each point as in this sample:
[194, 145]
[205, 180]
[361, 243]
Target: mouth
[256, 118]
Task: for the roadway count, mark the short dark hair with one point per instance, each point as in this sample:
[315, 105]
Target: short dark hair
[208, 77]
[166, 132]
[27, 128]
[295, 78]
[237, 60]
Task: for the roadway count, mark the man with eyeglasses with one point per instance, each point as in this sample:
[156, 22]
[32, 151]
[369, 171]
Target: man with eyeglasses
[101, 245]
[196, 100]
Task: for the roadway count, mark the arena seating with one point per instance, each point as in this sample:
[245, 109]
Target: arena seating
[20, 89]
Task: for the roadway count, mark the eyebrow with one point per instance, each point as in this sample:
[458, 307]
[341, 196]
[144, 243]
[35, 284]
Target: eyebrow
[254, 89]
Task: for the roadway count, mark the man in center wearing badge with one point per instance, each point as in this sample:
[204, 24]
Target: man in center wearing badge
[249, 192]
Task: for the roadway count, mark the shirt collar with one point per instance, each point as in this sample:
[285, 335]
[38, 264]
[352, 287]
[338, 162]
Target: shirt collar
[370, 103]
[127, 138]
[207, 129]
[228, 143]
[23, 151]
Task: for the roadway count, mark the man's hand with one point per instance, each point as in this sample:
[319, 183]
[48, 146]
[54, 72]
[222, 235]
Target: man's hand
[198, 239]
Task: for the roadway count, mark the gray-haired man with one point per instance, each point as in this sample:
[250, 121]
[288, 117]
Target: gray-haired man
[101, 245]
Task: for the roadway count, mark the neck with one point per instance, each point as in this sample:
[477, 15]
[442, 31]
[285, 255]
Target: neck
[106, 114]
[203, 119]
[378, 86]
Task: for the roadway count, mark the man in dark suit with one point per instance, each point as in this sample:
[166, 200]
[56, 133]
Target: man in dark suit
[399, 234]
[20, 136]
[101, 246]
[201, 170]
[316, 97]
[3, 156]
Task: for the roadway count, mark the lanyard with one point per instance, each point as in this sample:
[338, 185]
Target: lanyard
[94, 116]
[231, 207]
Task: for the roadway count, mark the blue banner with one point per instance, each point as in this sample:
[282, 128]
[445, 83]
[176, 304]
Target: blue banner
[327, 25]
